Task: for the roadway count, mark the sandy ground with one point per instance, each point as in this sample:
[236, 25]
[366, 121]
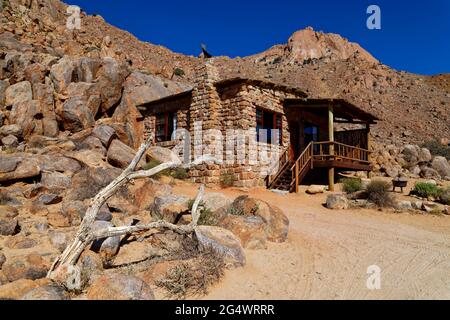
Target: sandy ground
[328, 253]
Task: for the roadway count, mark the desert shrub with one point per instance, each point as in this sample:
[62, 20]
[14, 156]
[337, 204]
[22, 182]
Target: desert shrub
[179, 173]
[195, 277]
[207, 217]
[426, 190]
[179, 72]
[227, 179]
[153, 163]
[378, 193]
[445, 197]
[437, 149]
[235, 211]
[351, 185]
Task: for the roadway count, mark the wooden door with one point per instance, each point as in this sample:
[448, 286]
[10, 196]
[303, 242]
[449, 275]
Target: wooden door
[294, 129]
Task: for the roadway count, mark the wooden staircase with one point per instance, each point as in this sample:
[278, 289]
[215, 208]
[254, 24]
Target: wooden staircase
[317, 154]
[285, 179]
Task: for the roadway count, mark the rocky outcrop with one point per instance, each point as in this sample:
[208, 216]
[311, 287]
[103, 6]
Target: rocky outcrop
[308, 44]
[337, 201]
[223, 241]
[119, 286]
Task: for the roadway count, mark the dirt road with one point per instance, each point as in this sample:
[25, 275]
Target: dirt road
[328, 253]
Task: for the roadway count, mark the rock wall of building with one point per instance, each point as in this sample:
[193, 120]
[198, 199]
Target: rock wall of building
[234, 109]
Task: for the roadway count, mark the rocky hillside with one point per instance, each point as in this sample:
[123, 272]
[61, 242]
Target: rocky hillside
[324, 65]
[327, 65]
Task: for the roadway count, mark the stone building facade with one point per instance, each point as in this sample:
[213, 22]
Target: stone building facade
[231, 109]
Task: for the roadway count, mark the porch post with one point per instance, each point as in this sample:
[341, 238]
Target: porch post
[331, 139]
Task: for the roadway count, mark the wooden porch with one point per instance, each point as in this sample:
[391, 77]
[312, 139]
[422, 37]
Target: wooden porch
[344, 150]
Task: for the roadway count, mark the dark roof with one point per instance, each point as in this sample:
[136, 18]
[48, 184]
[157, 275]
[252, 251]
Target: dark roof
[181, 95]
[260, 83]
[343, 108]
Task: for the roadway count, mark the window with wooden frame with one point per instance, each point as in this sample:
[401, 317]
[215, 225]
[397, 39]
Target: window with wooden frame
[166, 124]
[272, 123]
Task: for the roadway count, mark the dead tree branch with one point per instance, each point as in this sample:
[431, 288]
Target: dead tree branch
[85, 235]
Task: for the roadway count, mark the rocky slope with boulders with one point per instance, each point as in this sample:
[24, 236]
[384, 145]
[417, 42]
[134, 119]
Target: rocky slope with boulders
[69, 126]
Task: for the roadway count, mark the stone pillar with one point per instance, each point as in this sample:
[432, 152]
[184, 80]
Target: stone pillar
[205, 109]
[331, 139]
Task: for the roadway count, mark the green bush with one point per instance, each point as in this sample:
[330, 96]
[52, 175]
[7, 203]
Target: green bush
[351, 185]
[227, 179]
[426, 190]
[378, 193]
[437, 149]
[207, 217]
[179, 72]
[177, 173]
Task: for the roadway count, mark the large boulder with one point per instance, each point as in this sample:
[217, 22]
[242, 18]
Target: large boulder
[30, 267]
[43, 92]
[144, 192]
[105, 133]
[10, 141]
[27, 115]
[17, 93]
[89, 181]
[276, 220]
[224, 242]
[442, 166]
[119, 286]
[9, 164]
[252, 231]
[315, 189]
[90, 158]
[337, 201]
[119, 154]
[76, 115]
[110, 78]
[214, 201]
[62, 73]
[27, 167]
[59, 239]
[162, 154]
[59, 163]
[59, 219]
[12, 129]
[413, 155]
[87, 93]
[55, 181]
[16, 289]
[170, 207]
[107, 247]
[51, 291]
[9, 227]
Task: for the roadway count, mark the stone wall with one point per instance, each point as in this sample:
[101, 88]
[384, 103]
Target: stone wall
[234, 108]
[181, 106]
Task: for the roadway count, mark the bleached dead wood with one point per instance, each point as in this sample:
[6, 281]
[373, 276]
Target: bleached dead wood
[86, 235]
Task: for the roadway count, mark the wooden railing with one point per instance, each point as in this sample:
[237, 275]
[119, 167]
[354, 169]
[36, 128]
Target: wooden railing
[339, 151]
[315, 152]
[283, 162]
[303, 162]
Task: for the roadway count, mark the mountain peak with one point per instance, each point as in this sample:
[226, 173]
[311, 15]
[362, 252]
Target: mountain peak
[308, 44]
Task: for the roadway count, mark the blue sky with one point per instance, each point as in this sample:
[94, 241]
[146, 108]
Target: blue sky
[415, 35]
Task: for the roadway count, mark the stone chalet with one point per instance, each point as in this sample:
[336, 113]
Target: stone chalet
[311, 147]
